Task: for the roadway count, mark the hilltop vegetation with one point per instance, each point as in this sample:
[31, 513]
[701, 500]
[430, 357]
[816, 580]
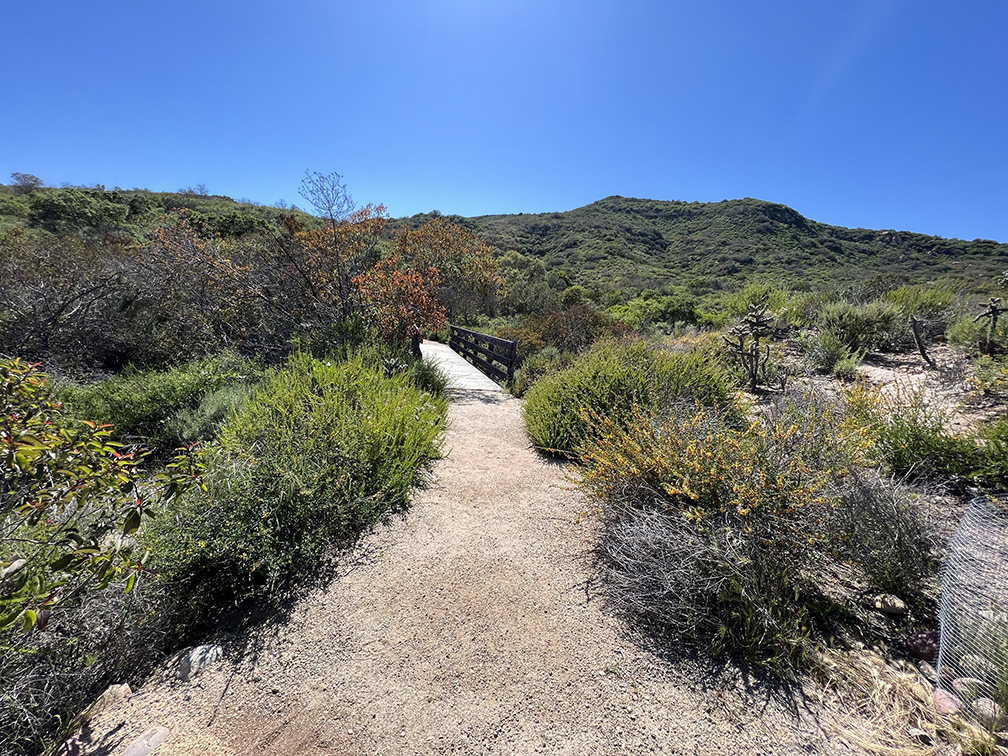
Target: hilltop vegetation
[622, 245]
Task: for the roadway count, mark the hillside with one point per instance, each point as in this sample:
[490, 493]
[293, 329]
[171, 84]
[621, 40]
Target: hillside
[617, 244]
[626, 243]
[95, 211]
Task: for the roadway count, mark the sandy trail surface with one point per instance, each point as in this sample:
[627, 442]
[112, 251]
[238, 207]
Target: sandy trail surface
[473, 625]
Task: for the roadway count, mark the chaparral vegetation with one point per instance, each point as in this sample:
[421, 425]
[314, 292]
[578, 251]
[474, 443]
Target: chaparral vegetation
[205, 400]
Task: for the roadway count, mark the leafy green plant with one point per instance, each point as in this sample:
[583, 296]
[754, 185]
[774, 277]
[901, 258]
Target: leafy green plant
[616, 379]
[321, 452]
[72, 502]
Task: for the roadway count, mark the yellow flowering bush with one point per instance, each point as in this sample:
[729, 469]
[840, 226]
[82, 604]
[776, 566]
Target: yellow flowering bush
[723, 535]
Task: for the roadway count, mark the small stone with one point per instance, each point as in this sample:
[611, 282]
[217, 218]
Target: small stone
[923, 645]
[945, 704]
[146, 743]
[929, 672]
[71, 747]
[195, 660]
[891, 606]
[968, 688]
[989, 715]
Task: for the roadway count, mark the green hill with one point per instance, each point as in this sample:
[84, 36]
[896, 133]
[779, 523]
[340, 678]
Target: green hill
[617, 244]
[630, 244]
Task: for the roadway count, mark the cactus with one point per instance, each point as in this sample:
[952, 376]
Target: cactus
[746, 346]
[993, 312]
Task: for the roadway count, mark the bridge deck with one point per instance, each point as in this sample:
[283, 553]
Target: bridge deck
[461, 374]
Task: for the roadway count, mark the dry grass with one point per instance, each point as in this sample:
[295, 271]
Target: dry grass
[884, 707]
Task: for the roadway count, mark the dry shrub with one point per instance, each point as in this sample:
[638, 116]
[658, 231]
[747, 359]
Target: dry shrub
[729, 537]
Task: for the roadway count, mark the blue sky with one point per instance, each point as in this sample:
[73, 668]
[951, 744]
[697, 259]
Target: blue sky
[876, 113]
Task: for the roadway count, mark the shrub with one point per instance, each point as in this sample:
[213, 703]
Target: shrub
[168, 406]
[876, 325]
[615, 379]
[874, 525]
[846, 368]
[200, 423]
[725, 537]
[909, 436]
[533, 368]
[930, 301]
[320, 453]
[822, 351]
[971, 335]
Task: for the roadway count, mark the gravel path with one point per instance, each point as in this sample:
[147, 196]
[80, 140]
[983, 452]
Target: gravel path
[471, 626]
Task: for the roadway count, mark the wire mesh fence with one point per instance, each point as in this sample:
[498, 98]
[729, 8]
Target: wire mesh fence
[973, 652]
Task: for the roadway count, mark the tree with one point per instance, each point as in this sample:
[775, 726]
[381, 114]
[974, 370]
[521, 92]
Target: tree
[403, 303]
[343, 249]
[26, 183]
[470, 276]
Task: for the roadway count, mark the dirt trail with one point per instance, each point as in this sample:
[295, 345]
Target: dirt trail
[470, 626]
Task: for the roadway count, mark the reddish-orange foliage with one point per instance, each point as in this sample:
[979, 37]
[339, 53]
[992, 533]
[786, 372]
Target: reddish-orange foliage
[470, 275]
[403, 303]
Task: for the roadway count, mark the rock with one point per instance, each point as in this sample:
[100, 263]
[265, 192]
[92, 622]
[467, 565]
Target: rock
[71, 747]
[891, 606]
[968, 688]
[195, 660]
[945, 703]
[989, 715]
[147, 743]
[923, 645]
[929, 672]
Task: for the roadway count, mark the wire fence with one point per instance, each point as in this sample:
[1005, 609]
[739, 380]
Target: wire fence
[973, 653]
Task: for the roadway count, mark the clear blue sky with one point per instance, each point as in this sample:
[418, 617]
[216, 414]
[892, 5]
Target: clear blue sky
[870, 113]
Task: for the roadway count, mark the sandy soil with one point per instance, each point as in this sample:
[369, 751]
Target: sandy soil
[471, 626]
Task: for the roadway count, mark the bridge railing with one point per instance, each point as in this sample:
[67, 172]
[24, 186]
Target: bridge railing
[493, 356]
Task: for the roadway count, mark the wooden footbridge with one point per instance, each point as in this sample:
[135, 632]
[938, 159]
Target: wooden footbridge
[472, 360]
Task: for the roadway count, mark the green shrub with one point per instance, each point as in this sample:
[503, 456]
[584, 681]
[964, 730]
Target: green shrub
[928, 301]
[876, 325]
[161, 406]
[994, 471]
[200, 423]
[821, 351]
[533, 368]
[320, 453]
[909, 436]
[427, 376]
[846, 368]
[614, 379]
[971, 335]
